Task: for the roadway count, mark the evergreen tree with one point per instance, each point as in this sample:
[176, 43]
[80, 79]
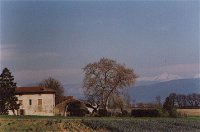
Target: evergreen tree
[8, 100]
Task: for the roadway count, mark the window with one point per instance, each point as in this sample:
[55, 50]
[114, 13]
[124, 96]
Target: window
[30, 102]
[39, 102]
[20, 102]
[40, 105]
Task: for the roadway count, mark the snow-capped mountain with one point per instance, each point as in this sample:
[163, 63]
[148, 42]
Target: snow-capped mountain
[162, 77]
[166, 77]
[197, 76]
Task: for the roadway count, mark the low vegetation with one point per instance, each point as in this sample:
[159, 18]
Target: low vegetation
[41, 124]
[89, 124]
[143, 124]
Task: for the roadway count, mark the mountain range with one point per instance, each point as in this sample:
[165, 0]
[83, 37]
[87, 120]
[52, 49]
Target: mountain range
[146, 91]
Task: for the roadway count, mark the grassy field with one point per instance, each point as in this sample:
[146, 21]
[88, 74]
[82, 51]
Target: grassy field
[90, 124]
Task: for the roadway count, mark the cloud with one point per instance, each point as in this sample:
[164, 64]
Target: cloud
[9, 55]
[35, 76]
[179, 69]
[98, 21]
[164, 28]
[11, 52]
[47, 54]
[8, 46]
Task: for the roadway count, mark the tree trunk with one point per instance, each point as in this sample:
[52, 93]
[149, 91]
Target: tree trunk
[105, 107]
[65, 111]
[13, 112]
[121, 109]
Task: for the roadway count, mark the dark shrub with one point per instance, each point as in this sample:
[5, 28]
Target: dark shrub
[109, 113]
[124, 113]
[113, 113]
[77, 108]
[103, 112]
[145, 113]
[168, 107]
[118, 114]
[173, 113]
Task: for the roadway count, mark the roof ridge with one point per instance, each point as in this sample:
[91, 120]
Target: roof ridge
[32, 89]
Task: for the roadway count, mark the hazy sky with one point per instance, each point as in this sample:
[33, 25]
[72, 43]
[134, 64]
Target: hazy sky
[51, 38]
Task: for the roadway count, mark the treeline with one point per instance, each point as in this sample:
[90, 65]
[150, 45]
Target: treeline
[185, 101]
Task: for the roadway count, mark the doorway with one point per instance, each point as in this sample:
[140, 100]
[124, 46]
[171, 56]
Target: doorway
[21, 112]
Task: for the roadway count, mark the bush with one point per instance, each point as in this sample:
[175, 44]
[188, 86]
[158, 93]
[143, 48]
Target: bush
[77, 108]
[109, 113]
[173, 113]
[163, 113]
[169, 107]
[142, 125]
[117, 114]
[124, 113]
[145, 113]
[103, 112]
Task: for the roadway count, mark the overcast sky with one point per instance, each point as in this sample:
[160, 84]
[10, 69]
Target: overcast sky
[51, 38]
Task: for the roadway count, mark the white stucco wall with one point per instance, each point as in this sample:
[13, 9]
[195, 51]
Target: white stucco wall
[48, 104]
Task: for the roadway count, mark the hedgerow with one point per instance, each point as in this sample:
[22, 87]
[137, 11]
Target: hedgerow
[145, 113]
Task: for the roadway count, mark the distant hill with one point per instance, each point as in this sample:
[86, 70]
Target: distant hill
[142, 83]
[147, 93]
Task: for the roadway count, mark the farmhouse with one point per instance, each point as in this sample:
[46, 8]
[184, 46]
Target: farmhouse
[35, 101]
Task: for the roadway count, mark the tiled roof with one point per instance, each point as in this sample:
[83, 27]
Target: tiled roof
[34, 90]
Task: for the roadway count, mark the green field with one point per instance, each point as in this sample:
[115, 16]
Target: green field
[88, 124]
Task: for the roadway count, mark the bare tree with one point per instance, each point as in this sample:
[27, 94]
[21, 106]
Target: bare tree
[197, 99]
[158, 101]
[119, 102]
[190, 100]
[55, 85]
[127, 99]
[193, 99]
[105, 77]
[182, 100]
[172, 97]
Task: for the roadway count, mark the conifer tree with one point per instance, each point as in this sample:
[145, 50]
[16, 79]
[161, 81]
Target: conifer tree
[8, 100]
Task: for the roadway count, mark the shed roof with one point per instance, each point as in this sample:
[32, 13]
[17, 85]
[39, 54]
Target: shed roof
[34, 90]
